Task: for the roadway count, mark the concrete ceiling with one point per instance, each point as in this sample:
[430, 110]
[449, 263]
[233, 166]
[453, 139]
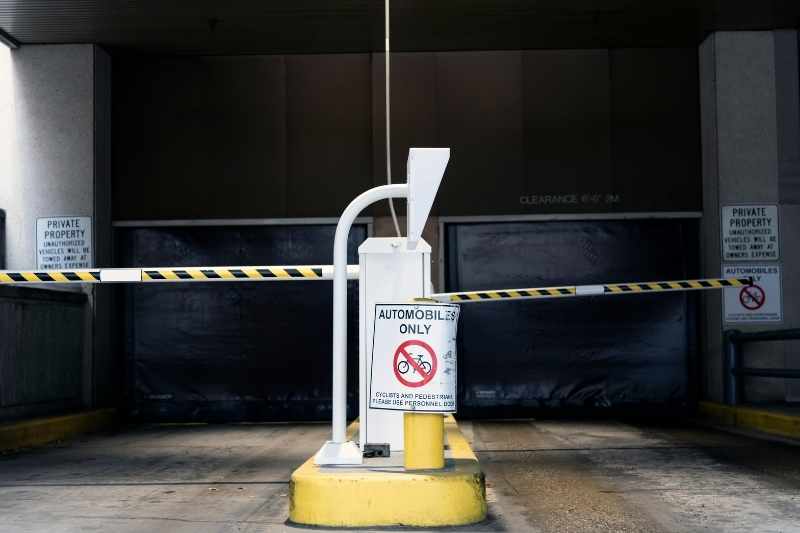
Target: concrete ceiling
[314, 26]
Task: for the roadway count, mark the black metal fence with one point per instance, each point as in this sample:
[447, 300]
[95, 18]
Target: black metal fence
[734, 368]
[41, 351]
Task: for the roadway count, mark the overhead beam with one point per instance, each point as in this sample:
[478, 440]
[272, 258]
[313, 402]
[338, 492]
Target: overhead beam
[8, 40]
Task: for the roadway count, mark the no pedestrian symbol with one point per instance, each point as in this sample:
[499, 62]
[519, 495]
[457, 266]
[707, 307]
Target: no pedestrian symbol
[752, 297]
[414, 363]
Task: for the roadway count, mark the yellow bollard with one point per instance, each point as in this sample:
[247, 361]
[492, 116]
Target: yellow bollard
[423, 437]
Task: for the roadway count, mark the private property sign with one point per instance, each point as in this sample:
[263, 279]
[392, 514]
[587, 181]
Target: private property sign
[414, 358]
[750, 233]
[63, 243]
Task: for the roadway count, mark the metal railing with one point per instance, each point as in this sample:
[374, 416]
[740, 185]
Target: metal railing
[733, 368]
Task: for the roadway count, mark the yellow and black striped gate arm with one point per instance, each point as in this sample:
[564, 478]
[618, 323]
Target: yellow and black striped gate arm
[176, 274]
[572, 291]
[325, 272]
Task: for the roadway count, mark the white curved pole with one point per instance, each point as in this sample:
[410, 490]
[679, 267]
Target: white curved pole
[349, 215]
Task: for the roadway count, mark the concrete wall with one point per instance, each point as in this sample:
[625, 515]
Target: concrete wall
[2, 239]
[7, 133]
[749, 122]
[56, 161]
[53, 167]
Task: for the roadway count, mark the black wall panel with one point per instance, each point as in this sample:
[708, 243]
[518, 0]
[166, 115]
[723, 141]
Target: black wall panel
[413, 109]
[329, 132]
[600, 352]
[567, 128]
[251, 351]
[539, 131]
[200, 137]
[656, 128]
[479, 115]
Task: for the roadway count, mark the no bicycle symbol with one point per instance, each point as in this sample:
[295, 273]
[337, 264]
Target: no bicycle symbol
[414, 367]
[752, 297]
[413, 363]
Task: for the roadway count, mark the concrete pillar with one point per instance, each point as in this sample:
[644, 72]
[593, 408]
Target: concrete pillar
[55, 106]
[750, 121]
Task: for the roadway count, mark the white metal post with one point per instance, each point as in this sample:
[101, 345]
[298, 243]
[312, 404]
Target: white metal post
[337, 450]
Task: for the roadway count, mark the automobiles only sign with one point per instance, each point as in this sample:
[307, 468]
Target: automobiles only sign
[759, 302]
[414, 358]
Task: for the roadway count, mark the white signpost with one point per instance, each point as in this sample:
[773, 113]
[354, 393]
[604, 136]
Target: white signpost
[750, 233]
[758, 303]
[63, 243]
[414, 358]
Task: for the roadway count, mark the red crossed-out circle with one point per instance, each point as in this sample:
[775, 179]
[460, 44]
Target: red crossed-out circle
[402, 351]
[752, 297]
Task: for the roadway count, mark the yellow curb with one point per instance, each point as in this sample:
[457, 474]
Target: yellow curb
[755, 419]
[39, 431]
[363, 497]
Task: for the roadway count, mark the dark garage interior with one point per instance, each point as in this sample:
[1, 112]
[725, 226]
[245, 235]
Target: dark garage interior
[592, 143]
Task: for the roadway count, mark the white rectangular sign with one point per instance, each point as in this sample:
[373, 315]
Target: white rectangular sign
[761, 302]
[63, 243]
[414, 358]
[750, 233]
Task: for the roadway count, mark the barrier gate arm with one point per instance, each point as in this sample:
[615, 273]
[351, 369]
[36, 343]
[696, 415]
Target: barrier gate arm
[572, 291]
[176, 274]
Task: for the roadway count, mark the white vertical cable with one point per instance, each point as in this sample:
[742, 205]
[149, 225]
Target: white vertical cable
[388, 118]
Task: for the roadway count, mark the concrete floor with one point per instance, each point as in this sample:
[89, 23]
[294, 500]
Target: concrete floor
[541, 476]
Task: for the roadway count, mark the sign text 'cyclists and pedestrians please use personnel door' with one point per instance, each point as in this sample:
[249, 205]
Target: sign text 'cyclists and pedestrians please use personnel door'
[414, 358]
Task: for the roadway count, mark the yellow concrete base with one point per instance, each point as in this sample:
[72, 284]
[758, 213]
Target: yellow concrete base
[763, 420]
[391, 496]
[39, 431]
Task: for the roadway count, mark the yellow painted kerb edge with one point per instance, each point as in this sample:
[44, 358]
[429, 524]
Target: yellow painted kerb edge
[754, 419]
[349, 497]
[40, 431]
